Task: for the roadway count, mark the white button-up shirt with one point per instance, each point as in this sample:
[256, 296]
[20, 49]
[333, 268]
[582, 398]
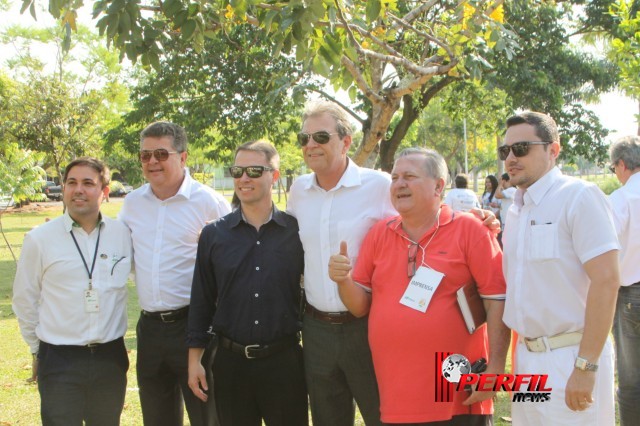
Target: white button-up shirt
[555, 226]
[51, 280]
[165, 240]
[625, 203]
[344, 213]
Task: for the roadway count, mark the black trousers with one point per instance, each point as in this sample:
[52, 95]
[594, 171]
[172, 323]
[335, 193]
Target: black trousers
[79, 384]
[461, 420]
[250, 390]
[162, 370]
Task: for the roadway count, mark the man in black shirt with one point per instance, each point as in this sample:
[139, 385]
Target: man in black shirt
[246, 289]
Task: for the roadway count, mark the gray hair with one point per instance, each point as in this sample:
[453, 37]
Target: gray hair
[626, 149]
[343, 126]
[434, 163]
[161, 129]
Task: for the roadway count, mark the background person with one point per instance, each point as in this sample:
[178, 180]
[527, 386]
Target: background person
[489, 200]
[70, 298]
[246, 287]
[625, 202]
[561, 266]
[460, 198]
[435, 241]
[165, 217]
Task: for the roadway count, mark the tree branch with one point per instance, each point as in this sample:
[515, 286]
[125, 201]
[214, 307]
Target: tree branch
[336, 101]
[360, 81]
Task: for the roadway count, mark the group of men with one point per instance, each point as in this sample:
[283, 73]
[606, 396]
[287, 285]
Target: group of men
[214, 281]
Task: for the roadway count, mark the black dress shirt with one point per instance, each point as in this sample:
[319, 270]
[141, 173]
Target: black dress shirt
[246, 283]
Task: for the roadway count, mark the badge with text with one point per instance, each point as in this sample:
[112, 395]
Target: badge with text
[91, 301]
[421, 288]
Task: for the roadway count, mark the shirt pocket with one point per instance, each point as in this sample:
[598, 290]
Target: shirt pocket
[114, 270]
[544, 242]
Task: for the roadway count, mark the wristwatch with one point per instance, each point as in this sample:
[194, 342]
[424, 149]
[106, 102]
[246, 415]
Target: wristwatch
[584, 365]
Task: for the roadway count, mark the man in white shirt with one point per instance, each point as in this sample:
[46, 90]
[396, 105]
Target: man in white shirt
[625, 202]
[561, 267]
[165, 217]
[460, 198]
[70, 298]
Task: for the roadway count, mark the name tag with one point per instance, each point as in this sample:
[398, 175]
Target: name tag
[421, 288]
[91, 301]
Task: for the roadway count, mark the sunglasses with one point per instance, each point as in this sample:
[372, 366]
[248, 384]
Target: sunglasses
[252, 171]
[519, 149]
[612, 168]
[161, 154]
[320, 137]
[411, 265]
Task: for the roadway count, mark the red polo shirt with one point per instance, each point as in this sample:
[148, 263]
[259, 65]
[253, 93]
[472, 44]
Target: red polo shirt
[404, 341]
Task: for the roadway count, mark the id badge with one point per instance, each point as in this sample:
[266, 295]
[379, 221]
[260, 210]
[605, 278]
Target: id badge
[91, 301]
[421, 288]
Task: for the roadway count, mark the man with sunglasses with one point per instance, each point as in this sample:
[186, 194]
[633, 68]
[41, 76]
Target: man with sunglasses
[246, 289]
[625, 202]
[561, 267]
[165, 217]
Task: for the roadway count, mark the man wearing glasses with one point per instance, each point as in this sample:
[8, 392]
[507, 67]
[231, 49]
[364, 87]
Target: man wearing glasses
[561, 267]
[625, 202]
[246, 289]
[165, 217]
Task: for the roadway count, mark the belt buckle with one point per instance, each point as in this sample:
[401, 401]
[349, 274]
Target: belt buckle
[339, 318]
[93, 347]
[535, 345]
[168, 315]
[248, 348]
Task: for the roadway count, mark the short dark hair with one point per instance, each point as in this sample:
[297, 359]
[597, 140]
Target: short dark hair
[545, 126]
[95, 164]
[505, 176]
[265, 147]
[461, 181]
[165, 128]
[626, 149]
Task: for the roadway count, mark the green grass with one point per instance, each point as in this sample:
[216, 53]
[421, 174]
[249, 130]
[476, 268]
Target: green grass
[19, 400]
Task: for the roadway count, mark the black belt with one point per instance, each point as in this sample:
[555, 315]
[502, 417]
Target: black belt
[90, 347]
[168, 316]
[257, 351]
[330, 317]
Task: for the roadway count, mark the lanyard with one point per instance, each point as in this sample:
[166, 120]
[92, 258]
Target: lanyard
[95, 255]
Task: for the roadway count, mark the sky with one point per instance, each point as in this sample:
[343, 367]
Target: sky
[616, 112]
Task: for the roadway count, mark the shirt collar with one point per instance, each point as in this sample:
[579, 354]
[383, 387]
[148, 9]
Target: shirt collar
[536, 192]
[69, 223]
[183, 192]
[276, 215]
[350, 177]
[634, 179]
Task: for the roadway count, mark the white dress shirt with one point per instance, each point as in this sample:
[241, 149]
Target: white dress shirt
[625, 203]
[555, 226]
[461, 200]
[344, 213]
[165, 240]
[51, 280]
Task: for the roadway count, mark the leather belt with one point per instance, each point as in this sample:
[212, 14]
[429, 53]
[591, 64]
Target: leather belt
[168, 316]
[330, 317]
[540, 344]
[90, 347]
[257, 351]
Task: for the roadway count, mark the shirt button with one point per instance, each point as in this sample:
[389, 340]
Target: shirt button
[256, 322]
[258, 242]
[256, 294]
[257, 268]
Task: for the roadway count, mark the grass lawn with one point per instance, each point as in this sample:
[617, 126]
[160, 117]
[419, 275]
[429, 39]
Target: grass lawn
[19, 400]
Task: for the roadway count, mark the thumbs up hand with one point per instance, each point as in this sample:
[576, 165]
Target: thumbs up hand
[340, 265]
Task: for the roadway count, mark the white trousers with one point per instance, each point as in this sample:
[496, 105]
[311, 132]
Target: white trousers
[558, 364]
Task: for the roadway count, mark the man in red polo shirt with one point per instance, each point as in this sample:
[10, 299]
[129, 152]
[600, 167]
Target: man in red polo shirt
[427, 243]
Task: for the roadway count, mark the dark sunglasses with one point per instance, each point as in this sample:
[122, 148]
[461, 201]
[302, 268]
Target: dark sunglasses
[252, 171]
[161, 154]
[612, 168]
[320, 137]
[520, 149]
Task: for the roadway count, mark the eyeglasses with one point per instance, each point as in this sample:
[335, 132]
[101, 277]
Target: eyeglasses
[252, 171]
[411, 266]
[320, 137]
[161, 154]
[612, 168]
[520, 149]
